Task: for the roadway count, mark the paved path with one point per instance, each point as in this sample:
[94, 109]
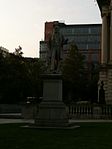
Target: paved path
[5, 121]
[87, 121]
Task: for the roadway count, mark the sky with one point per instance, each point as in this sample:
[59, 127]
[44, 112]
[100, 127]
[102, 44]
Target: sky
[22, 21]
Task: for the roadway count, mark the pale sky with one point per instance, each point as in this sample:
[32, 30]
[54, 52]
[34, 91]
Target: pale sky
[22, 21]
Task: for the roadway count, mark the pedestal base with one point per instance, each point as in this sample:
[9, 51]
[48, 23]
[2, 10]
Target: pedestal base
[52, 111]
[106, 77]
[52, 114]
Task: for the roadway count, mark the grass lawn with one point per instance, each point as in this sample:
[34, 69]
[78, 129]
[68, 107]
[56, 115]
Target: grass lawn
[88, 136]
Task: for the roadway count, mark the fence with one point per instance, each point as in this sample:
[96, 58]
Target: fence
[10, 108]
[88, 111]
[75, 111]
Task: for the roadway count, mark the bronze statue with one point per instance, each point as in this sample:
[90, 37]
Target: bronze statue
[102, 93]
[55, 49]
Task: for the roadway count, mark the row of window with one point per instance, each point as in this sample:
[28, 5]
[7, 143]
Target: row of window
[92, 57]
[83, 38]
[88, 46]
[81, 30]
[88, 57]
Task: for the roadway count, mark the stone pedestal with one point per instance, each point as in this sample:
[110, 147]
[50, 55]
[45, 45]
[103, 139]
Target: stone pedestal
[106, 77]
[52, 111]
[109, 85]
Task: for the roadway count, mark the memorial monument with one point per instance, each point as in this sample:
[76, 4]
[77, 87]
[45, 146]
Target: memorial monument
[106, 48]
[52, 111]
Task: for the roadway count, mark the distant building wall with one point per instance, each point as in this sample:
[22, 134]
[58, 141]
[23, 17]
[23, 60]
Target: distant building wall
[48, 30]
[43, 49]
[87, 37]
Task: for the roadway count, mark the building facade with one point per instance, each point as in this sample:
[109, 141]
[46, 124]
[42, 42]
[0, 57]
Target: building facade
[4, 51]
[87, 37]
[106, 50]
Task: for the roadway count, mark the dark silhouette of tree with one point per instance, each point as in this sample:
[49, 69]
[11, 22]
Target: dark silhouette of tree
[74, 73]
[93, 77]
[18, 51]
[19, 78]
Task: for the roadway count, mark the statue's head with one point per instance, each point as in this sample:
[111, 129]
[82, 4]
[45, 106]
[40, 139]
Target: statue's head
[56, 27]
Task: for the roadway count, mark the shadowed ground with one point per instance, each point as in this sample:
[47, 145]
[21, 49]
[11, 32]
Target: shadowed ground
[89, 136]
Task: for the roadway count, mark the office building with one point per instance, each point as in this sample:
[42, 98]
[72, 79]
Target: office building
[87, 37]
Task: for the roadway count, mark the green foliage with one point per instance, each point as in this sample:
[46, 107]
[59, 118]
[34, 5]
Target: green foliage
[18, 51]
[87, 136]
[74, 73]
[73, 66]
[35, 67]
[80, 82]
[19, 78]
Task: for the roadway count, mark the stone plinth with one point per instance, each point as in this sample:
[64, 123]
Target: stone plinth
[106, 77]
[52, 111]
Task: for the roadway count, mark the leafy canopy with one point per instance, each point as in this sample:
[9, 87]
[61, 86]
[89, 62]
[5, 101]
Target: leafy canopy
[73, 65]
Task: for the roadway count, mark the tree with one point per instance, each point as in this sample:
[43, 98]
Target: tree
[19, 78]
[34, 67]
[93, 73]
[18, 51]
[74, 73]
[13, 79]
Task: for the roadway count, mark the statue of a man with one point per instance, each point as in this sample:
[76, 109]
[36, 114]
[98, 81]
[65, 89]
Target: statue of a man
[102, 93]
[56, 49]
